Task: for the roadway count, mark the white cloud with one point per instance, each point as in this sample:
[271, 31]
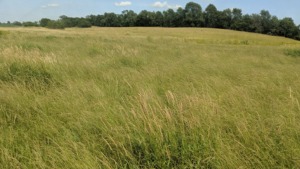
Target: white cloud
[160, 4]
[174, 6]
[165, 4]
[123, 3]
[50, 6]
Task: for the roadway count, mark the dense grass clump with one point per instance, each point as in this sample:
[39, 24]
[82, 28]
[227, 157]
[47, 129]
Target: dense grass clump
[3, 33]
[148, 98]
[293, 52]
[32, 76]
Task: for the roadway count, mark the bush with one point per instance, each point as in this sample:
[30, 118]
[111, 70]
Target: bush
[55, 25]
[16, 23]
[30, 24]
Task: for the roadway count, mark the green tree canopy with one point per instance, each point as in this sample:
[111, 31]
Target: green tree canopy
[211, 16]
[193, 15]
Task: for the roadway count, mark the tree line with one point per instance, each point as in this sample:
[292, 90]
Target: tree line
[192, 15]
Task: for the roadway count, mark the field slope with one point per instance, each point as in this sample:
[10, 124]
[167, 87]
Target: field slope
[148, 98]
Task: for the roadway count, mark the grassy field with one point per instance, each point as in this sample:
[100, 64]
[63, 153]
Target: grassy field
[148, 98]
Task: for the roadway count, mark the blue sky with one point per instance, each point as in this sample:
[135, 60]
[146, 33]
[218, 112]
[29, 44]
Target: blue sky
[34, 10]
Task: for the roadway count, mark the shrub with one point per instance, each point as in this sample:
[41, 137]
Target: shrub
[30, 24]
[55, 25]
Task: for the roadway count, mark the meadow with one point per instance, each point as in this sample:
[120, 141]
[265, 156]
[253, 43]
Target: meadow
[148, 98]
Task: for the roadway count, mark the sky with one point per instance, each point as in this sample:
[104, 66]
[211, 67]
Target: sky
[34, 10]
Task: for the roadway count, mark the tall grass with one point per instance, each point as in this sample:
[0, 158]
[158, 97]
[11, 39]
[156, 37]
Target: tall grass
[148, 98]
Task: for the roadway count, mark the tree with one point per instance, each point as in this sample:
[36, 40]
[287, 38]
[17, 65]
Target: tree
[266, 22]
[190, 16]
[44, 22]
[99, 20]
[76, 22]
[83, 23]
[30, 24]
[179, 18]
[274, 25]
[68, 21]
[193, 15]
[128, 18]
[16, 23]
[257, 23]
[247, 23]
[169, 18]
[298, 35]
[55, 24]
[111, 20]
[92, 19]
[225, 19]
[211, 16]
[237, 17]
[144, 18]
[287, 28]
[158, 19]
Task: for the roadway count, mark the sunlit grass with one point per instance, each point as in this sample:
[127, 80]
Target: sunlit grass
[148, 98]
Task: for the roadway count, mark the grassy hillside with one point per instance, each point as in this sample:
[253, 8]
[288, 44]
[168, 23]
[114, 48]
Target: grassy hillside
[148, 98]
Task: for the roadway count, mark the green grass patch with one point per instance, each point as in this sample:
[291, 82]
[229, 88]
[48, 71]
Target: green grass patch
[293, 52]
[34, 77]
[3, 33]
[31, 46]
[51, 37]
[132, 62]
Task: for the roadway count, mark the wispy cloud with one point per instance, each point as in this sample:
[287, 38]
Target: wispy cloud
[174, 6]
[159, 4]
[123, 3]
[50, 6]
[207, 1]
[165, 4]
